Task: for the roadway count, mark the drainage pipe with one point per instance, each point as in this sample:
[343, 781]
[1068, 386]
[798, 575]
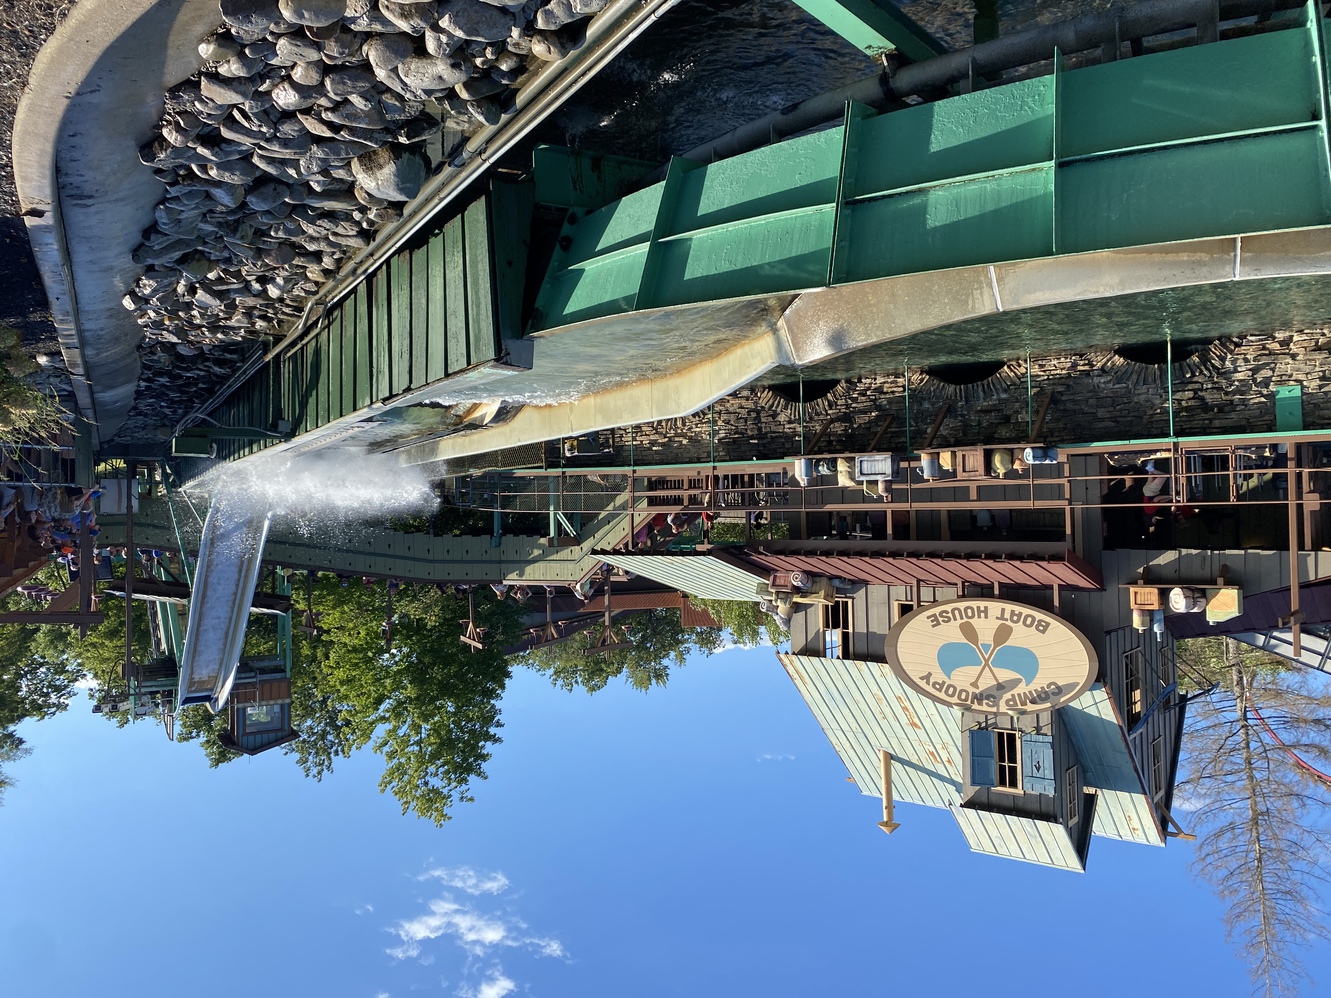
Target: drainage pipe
[1023, 48]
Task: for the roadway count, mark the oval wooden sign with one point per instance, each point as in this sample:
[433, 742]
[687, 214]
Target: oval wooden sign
[992, 655]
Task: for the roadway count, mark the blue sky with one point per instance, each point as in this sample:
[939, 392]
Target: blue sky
[698, 840]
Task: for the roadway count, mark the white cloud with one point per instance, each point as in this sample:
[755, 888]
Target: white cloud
[496, 985]
[466, 879]
[769, 757]
[476, 932]
[365, 909]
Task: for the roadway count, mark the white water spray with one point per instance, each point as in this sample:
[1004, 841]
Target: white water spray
[307, 490]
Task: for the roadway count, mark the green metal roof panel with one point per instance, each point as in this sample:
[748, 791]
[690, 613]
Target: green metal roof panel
[1123, 810]
[1202, 90]
[863, 708]
[1030, 840]
[1173, 146]
[697, 575]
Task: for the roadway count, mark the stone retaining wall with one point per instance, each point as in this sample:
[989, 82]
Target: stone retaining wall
[1096, 396]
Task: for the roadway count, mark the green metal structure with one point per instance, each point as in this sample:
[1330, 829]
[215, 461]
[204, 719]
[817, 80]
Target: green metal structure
[1212, 140]
[875, 27]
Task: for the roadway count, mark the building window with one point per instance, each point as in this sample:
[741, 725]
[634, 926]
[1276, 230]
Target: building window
[1157, 767]
[1072, 793]
[1132, 669]
[1007, 748]
[902, 610]
[836, 629]
[267, 717]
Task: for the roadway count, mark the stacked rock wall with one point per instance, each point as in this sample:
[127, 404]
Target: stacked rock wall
[306, 129]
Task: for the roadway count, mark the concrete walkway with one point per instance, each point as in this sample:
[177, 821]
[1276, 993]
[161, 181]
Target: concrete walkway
[94, 96]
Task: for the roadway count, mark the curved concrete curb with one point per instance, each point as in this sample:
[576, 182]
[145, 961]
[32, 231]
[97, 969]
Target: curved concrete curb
[94, 96]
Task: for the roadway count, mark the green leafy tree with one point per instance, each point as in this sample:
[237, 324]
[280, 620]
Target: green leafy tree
[1258, 751]
[32, 687]
[197, 723]
[747, 624]
[658, 643]
[429, 707]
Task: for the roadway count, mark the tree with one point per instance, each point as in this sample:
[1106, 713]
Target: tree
[430, 707]
[197, 723]
[658, 642]
[32, 687]
[747, 624]
[1259, 746]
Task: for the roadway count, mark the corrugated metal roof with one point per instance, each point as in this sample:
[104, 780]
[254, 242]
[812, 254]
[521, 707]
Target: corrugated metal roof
[1027, 839]
[1123, 810]
[889, 569]
[863, 707]
[694, 574]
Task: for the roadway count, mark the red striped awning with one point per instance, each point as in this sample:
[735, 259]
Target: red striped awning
[901, 569]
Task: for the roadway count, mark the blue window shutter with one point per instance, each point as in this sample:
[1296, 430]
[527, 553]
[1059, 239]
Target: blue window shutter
[983, 773]
[1037, 764]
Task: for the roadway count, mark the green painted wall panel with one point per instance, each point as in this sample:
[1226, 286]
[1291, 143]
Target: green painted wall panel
[437, 310]
[481, 332]
[1009, 217]
[420, 316]
[799, 173]
[1186, 192]
[990, 130]
[1245, 83]
[455, 257]
[346, 334]
[364, 353]
[381, 332]
[334, 367]
[761, 256]
[401, 329]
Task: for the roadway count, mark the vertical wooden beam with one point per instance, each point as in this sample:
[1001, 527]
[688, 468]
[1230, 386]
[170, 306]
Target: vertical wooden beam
[885, 763]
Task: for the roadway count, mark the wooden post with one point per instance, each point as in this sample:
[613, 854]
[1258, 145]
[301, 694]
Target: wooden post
[887, 824]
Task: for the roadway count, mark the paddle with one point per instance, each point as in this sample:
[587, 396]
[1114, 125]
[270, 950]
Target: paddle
[1001, 635]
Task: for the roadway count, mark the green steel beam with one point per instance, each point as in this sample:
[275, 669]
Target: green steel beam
[1217, 140]
[875, 27]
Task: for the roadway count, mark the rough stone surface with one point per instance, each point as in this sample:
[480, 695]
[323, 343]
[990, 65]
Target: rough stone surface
[317, 13]
[393, 173]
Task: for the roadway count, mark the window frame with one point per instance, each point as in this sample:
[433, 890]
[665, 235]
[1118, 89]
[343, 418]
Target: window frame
[1072, 795]
[836, 639]
[1158, 774]
[1134, 692]
[1002, 738]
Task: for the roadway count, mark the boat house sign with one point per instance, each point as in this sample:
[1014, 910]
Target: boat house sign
[991, 655]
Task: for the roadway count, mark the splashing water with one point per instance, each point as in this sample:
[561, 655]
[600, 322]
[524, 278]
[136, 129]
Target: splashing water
[334, 484]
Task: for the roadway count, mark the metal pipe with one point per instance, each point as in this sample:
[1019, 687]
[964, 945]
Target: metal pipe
[1022, 48]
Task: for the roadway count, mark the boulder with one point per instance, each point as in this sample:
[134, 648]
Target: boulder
[292, 96]
[413, 18]
[315, 124]
[387, 51]
[555, 15]
[220, 90]
[267, 195]
[218, 48]
[476, 21]
[357, 117]
[308, 74]
[344, 81]
[426, 73]
[250, 15]
[478, 87]
[393, 173]
[440, 43]
[297, 48]
[312, 12]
